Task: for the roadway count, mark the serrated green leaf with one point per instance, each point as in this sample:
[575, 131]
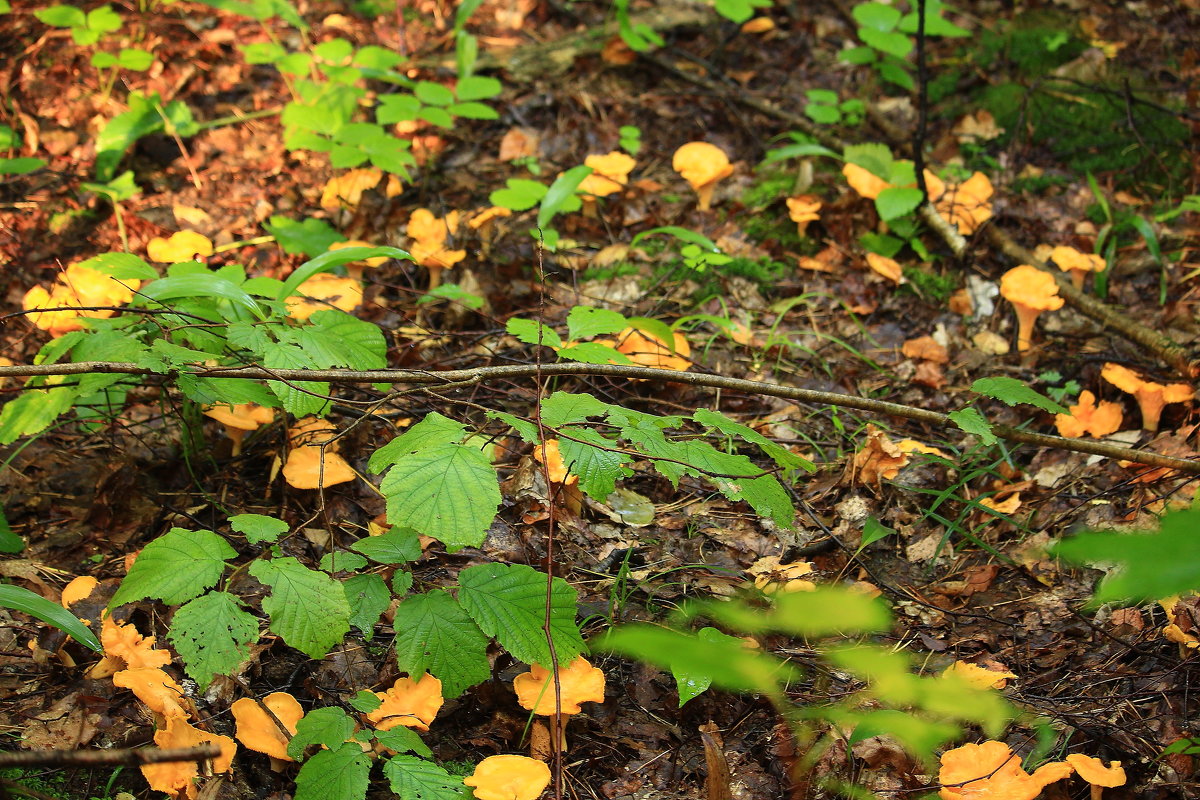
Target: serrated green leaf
[598, 470]
[346, 340]
[563, 408]
[343, 774]
[175, 567]
[1149, 566]
[328, 726]
[593, 353]
[1012, 391]
[431, 431]
[584, 322]
[400, 738]
[508, 601]
[831, 610]
[122, 266]
[896, 201]
[298, 398]
[396, 546]
[258, 528]
[212, 634]
[971, 421]
[777, 452]
[308, 609]
[209, 285]
[449, 492]
[434, 634]
[21, 599]
[520, 194]
[413, 778]
[369, 597]
[341, 561]
[33, 411]
[524, 428]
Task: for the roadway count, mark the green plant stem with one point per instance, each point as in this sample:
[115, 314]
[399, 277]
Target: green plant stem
[233, 119]
[515, 371]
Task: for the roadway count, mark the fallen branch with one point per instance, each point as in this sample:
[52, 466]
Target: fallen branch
[124, 757]
[515, 371]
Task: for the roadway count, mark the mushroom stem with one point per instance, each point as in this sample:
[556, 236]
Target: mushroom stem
[1077, 276]
[1097, 791]
[704, 194]
[1026, 318]
[435, 277]
[236, 435]
[1151, 403]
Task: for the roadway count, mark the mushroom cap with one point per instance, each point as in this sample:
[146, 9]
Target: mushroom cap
[78, 589]
[309, 467]
[1069, 259]
[348, 187]
[509, 778]
[124, 642]
[1145, 391]
[646, 350]
[886, 267]
[1089, 417]
[609, 175]
[411, 703]
[434, 255]
[312, 431]
[179, 246]
[701, 163]
[991, 770]
[966, 205]
[322, 292]
[804, 208]
[863, 181]
[257, 731]
[245, 416]
[376, 261]
[155, 688]
[488, 215]
[1031, 287]
[178, 778]
[1094, 772]
[977, 676]
[770, 576]
[550, 455]
[423, 226]
[579, 681]
[77, 286]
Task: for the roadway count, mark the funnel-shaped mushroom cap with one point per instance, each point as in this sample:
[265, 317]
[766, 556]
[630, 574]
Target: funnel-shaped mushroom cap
[609, 173]
[1091, 418]
[701, 163]
[322, 292]
[181, 246]
[310, 467]
[1150, 396]
[551, 456]
[77, 287]
[154, 687]
[178, 778]
[646, 350]
[124, 642]
[863, 181]
[509, 778]
[1094, 772]
[488, 217]
[412, 703]
[78, 589]
[245, 417]
[1069, 259]
[992, 771]
[1031, 291]
[580, 682]
[257, 730]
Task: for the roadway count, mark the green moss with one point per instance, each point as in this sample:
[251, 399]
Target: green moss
[930, 285]
[770, 184]
[617, 270]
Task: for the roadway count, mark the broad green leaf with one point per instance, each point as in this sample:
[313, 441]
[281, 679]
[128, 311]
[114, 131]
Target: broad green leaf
[598, 470]
[61, 16]
[9, 541]
[412, 778]
[258, 528]
[584, 322]
[896, 201]
[337, 339]
[778, 453]
[971, 421]
[1012, 391]
[508, 601]
[449, 492]
[918, 735]
[20, 166]
[122, 266]
[693, 679]
[431, 431]
[520, 195]
[175, 567]
[874, 157]
[312, 237]
[562, 408]
[369, 597]
[1148, 566]
[208, 285]
[400, 738]
[308, 609]
[477, 87]
[212, 634]
[876, 16]
[561, 195]
[33, 411]
[889, 42]
[829, 611]
[341, 561]
[434, 634]
[396, 546]
[727, 662]
[327, 261]
[20, 599]
[683, 234]
[873, 531]
[433, 94]
[473, 111]
[343, 774]
[298, 398]
[593, 353]
[524, 428]
[328, 726]
[528, 331]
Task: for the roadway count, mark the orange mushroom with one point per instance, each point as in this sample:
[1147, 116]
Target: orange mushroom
[347, 189]
[485, 223]
[549, 454]
[411, 703]
[157, 690]
[992, 770]
[886, 267]
[258, 724]
[124, 642]
[355, 268]
[1078, 264]
[966, 205]
[429, 234]
[977, 676]
[78, 589]
[1088, 417]
[646, 350]
[178, 778]
[1095, 773]
[802, 209]
[240, 420]
[324, 291]
[770, 576]
[863, 181]
[610, 173]
[313, 461]
[579, 682]
[1150, 396]
[702, 164]
[181, 246]
[76, 288]
[509, 778]
[1031, 291]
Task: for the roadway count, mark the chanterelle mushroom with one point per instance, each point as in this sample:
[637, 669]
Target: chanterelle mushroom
[1150, 396]
[509, 778]
[1078, 264]
[258, 730]
[992, 770]
[240, 420]
[1031, 291]
[579, 682]
[702, 164]
[1095, 773]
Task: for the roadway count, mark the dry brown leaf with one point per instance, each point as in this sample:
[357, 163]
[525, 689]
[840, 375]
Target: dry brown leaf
[926, 347]
[519, 143]
[879, 458]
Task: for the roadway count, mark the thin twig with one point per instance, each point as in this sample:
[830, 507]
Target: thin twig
[125, 757]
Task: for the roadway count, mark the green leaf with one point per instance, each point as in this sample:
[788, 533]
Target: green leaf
[61, 16]
[135, 59]
[308, 609]
[593, 353]
[433, 94]
[328, 261]
[692, 679]
[524, 428]
[889, 42]
[971, 421]
[874, 157]
[9, 541]
[369, 597]
[778, 453]
[563, 408]
[508, 601]
[433, 430]
[413, 778]
[598, 470]
[584, 322]
[683, 234]
[528, 330]
[206, 285]
[825, 115]
[20, 599]
[337, 339]
[876, 16]
[561, 194]
[175, 567]
[328, 727]
[33, 411]
[258, 528]
[873, 531]
[298, 398]
[341, 561]
[20, 166]
[829, 611]
[477, 87]
[212, 634]
[896, 201]
[342, 774]
[449, 492]
[396, 546]
[400, 738]
[473, 111]
[122, 266]
[520, 194]
[103, 20]
[1012, 391]
[918, 735]
[1148, 566]
[434, 634]
[312, 237]
[726, 662]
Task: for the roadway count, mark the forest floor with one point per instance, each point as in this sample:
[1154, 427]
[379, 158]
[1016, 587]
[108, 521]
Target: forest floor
[1054, 102]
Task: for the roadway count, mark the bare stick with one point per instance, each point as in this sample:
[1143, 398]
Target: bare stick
[125, 757]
